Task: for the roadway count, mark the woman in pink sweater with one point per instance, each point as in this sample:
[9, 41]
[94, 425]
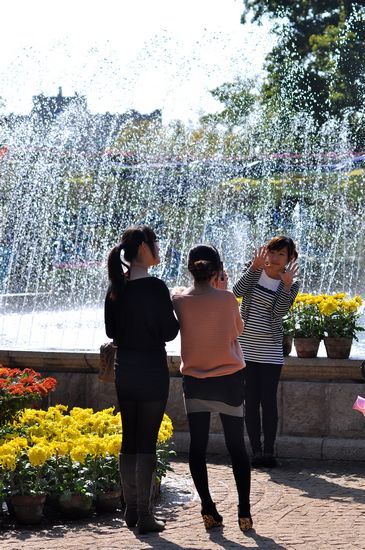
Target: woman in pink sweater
[212, 368]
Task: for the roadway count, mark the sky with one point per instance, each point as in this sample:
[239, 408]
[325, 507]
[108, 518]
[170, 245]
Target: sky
[127, 54]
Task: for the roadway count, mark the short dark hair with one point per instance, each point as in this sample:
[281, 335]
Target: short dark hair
[280, 242]
[204, 261]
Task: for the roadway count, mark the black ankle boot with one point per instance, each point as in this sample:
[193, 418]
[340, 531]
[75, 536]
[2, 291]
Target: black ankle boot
[210, 516]
[244, 520]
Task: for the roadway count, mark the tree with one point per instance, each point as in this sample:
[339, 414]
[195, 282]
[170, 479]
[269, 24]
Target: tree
[237, 97]
[318, 64]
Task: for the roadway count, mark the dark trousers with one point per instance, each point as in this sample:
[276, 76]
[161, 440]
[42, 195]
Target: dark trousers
[142, 403]
[233, 428]
[261, 385]
[141, 422]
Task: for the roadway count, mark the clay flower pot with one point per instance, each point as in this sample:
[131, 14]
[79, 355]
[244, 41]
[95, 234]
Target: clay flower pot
[306, 347]
[338, 347]
[28, 509]
[109, 501]
[75, 506]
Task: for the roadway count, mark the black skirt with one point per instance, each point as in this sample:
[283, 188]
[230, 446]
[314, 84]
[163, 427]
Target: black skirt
[141, 375]
[221, 394]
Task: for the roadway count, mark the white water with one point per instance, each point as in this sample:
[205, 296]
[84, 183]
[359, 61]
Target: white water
[82, 330]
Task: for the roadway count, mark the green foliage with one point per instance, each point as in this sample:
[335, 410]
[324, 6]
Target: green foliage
[104, 471]
[343, 324]
[164, 454]
[25, 479]
[305, 321]
[62, 475]
[318, 62]
[238, 99]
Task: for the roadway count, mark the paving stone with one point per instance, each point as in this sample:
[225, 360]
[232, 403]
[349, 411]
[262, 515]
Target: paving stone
[306, 505]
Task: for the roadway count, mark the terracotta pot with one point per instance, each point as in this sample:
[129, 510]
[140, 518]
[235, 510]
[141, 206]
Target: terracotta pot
[287, 345]
[75, 506]
[52, 500]
[338, 348]
[306, 347]
[28, 509]
[109, 502]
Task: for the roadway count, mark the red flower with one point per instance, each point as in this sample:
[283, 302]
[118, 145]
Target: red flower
[49, 383]
[18, 382]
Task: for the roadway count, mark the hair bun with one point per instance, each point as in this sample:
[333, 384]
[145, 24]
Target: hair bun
[202, 270]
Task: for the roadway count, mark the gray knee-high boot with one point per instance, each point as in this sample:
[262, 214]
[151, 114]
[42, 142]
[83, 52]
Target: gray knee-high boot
[127, 469]
[146, 475]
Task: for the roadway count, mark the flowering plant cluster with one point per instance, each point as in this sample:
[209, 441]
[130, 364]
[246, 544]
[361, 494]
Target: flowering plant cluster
[330, 315]
[20, 389]
[58, 451]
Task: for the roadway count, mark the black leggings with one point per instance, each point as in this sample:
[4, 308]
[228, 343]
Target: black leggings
[261, 385]
[233, 428]
[141, 422]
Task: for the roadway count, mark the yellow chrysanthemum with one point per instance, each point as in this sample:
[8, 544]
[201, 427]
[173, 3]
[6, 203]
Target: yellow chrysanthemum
[358, 299]
[79, 454]
[38, 455]
[327, 307]
[8, 461]
[113, 445]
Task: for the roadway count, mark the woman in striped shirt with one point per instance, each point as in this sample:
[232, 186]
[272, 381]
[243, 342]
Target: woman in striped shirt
[268, 289]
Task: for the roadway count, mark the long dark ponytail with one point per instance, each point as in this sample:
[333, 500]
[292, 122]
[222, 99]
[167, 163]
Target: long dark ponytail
[131, 240]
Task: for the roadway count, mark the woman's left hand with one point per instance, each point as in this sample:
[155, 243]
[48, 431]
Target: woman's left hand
[290, 274]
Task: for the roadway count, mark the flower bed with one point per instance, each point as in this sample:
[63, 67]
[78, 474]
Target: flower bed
[58, 450]
[60, 453]
[20, 389]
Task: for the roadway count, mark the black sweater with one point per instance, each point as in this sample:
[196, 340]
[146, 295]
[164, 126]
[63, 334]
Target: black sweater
[142, 319]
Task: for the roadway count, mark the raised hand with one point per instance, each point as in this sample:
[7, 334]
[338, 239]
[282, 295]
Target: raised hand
[259, 258]
[290, 274]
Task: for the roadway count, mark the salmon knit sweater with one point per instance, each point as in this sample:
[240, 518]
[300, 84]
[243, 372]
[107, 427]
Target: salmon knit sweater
[209, 326]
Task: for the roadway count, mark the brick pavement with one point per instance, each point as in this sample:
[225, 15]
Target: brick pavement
[300, 505]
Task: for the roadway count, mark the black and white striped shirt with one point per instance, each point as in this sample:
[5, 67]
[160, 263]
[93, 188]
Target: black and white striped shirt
[264, 303]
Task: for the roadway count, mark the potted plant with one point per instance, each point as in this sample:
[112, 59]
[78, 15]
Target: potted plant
[104, 470]
[307, 325]
[75, 488]
[20, 389]
[340, 321]
[70, 456]
[26, 481]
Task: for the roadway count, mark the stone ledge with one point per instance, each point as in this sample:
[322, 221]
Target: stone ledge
[55, 361]
[319, 368]
[319, 448]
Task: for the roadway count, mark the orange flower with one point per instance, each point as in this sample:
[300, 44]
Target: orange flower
[49, 383]
[27, 381]
[16, 390]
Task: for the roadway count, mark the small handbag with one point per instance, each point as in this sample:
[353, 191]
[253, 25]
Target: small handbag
[106, 363]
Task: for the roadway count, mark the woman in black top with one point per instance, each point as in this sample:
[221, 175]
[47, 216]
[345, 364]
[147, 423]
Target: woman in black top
[139, 318]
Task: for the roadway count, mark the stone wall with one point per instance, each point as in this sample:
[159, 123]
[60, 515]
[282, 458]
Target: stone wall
[315, 399]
